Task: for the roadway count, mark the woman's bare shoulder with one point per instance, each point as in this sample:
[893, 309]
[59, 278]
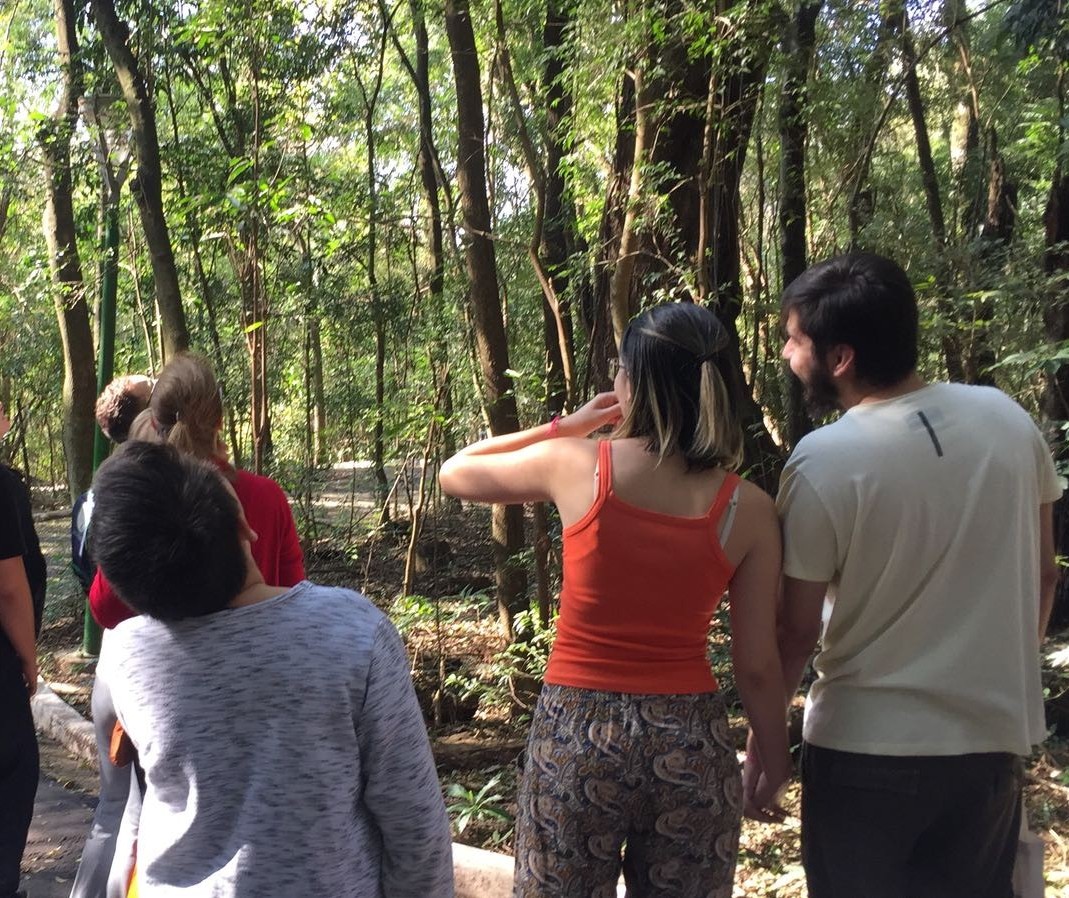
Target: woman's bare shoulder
[755, 497]
[757, 508]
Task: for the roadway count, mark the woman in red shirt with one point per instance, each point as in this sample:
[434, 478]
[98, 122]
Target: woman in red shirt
[187, 411]
[629, 761]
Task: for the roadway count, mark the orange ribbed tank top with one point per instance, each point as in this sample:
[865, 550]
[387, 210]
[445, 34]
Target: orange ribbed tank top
[640, 588]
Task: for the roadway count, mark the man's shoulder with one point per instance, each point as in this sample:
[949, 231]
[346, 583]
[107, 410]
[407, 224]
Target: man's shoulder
[329, 598]
[824, 446]
[334, 610]
[976, 394]
[1001, 416]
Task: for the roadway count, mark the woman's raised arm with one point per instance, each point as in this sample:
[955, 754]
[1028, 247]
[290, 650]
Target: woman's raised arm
[523, 466]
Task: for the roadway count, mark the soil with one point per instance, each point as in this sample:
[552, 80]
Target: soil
[451, 629]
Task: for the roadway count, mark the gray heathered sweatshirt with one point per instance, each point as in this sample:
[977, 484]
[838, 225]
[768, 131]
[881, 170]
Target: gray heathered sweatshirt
[284, 753]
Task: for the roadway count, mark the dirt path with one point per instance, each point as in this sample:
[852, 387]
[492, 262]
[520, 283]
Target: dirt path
[63, 810]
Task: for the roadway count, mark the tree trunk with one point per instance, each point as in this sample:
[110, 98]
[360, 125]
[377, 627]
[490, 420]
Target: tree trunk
[698, 134]
[866, 118]
[623, 291]
[79, 380]
[556, 320]
[425, 157]
[737, 86]
[1056, 393]
[148, 186]
[484, 297]
[596, 307]
[378, 313]
[559, 229]
[319, 406]
[993, 235]
[924, 147]
[966, 153]
[951, 339]
[798, 46]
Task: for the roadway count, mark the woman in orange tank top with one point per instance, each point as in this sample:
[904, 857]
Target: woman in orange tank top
[629, 762]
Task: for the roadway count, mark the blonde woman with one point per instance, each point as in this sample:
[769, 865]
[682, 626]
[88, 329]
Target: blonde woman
[187, 411]
[629, 761]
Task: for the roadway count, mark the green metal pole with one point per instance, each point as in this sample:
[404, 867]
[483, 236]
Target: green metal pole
[109, 276]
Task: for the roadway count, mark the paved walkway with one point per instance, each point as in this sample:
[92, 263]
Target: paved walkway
[61, 817]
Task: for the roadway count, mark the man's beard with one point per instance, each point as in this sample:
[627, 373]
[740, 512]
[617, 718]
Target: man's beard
[819, 393]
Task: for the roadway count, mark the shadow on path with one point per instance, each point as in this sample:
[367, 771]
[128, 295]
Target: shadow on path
[61, 817]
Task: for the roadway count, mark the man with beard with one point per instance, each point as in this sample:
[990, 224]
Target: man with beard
[918, 550]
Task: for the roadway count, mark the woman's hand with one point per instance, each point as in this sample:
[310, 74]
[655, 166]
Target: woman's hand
[601, 410]
[29, 673]
[762, 789]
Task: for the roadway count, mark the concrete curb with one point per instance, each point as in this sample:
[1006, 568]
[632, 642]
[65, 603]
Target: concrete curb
[55, 718]
[481, 874]
[477, 873]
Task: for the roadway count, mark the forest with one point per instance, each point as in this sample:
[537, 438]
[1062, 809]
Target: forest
[393, 227]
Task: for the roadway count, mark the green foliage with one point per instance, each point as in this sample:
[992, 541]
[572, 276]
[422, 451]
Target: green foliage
[528, 655]
[485, 805]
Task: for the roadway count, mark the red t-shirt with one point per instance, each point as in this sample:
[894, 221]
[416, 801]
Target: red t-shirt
[640, 589]
[276, 551]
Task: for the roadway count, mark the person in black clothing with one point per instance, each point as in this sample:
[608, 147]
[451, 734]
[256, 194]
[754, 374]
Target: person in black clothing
[22, 589]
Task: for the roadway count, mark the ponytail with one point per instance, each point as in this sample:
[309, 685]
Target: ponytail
[187, 407]
[674, 356]
[717, 434]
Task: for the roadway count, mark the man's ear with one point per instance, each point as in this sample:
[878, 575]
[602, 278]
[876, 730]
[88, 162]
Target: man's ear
[245, 531]
[840, 360]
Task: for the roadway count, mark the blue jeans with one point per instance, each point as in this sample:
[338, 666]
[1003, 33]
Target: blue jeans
[108, 855]
[909, 827]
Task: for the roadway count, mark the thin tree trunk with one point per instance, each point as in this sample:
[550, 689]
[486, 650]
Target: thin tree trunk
[485, 300]
[798, 49]
[929, 178]
[419, 510]
[556, 323]
[738, 91]
[319, 406]
[966, 151]
[148, 186]
[951, 341]
[1056, 321]
[863, 120]
[370, 98]
[72, 311]
[559, 229]
[623, 299]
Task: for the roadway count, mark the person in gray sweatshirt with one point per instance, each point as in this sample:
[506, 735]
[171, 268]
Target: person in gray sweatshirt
[283, 747]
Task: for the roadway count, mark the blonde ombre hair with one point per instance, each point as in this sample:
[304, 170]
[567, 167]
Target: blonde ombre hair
[674, 357]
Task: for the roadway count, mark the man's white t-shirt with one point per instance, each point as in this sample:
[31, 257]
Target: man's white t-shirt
[922, 512]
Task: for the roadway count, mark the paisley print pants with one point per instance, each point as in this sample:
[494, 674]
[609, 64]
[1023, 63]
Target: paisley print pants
[646, 784]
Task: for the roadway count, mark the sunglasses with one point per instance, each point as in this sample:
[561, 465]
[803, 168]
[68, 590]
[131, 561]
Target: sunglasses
[615, 367]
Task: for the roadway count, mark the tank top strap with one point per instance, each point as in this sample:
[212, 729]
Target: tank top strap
[604, 471]
[723, 497]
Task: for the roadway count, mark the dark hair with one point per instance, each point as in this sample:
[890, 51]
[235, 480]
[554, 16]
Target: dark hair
[675, 359]
[118, 405]
[864, 301]
[166, 532]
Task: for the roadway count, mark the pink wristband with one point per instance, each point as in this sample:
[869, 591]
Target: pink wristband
[554, 425]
